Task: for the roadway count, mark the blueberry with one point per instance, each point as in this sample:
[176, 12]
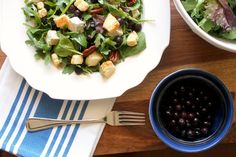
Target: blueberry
[201, 93]
[188, 103]
[168, 113]
[129, 25]
[193, 107]
[207, 124]
[120, 20]
[204, 131]
[204, 110]
[44, 20]
[196, 121]
[77, 13]
[78, 71]
[72, 9]
[188, 125]
[89, 38]
[137, 27]
[197, 133]
[178, 107]
[190, 116]
[183, 114]
[190, 94]
[175, 100]
[190, 134]
[118, 40]
[197, 114]
[181, 122]
[209, 117]
[183, 133]
[182, 89]
[170, 107]
[173, 122]
[209, 104]
[205, 98]
[197, 99]
[92, 24]
[176, 115]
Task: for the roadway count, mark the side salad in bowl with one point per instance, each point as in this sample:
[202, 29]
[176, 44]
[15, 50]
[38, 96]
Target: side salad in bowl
[85, 36]
[216, 17]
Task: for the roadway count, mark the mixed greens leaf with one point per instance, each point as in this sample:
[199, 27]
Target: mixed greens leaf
[127, 51]
[216, 17]
[65, 47]
[81, 39]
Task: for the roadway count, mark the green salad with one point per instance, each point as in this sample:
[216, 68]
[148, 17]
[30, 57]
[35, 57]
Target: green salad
[216, 17]
[85, 36]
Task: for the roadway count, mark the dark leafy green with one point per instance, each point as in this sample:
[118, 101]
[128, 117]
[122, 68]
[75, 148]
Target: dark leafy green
[127, 51]
[136, 6]
[99, 39]
[30, 12]
[119, 12]
[80, 38]
[68, 69]
[230, 35]
[38, 44]
[62, 4]
[65, 47]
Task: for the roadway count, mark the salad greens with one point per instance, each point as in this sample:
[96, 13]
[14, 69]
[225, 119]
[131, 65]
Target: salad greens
[129, 51]
[216, 17]
[65, 47]
[85, 36]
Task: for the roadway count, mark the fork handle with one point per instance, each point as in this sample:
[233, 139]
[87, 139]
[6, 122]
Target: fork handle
[37, 124]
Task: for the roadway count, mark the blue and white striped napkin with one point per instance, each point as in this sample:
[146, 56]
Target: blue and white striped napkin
[18, 101]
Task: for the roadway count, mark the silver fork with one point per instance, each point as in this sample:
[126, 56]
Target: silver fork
[113, 118]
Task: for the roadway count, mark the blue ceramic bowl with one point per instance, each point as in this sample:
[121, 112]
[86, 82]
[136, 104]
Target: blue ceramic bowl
[221, 121]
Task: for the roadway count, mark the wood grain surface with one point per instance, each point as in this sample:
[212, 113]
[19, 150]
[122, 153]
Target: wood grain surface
[186, 50]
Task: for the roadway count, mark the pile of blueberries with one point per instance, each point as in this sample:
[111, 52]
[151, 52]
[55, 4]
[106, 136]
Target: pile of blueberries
[187, 112]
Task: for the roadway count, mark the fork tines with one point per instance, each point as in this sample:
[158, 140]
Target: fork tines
[131, 113]
[131, 118]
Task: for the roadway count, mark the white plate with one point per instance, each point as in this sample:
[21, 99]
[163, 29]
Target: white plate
[217, 42]
[50, 80]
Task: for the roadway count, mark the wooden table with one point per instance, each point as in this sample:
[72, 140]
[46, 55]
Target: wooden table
[185, 50]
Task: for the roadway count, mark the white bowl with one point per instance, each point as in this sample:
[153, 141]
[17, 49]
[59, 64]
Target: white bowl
[217, 42]
[50, 80]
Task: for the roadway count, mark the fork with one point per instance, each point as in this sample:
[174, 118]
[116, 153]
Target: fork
[113, 118]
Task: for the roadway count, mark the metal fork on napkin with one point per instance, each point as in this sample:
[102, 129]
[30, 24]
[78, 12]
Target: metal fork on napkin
[113, 118]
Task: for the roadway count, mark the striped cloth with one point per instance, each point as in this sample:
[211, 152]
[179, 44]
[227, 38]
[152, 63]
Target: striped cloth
[18, 101]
